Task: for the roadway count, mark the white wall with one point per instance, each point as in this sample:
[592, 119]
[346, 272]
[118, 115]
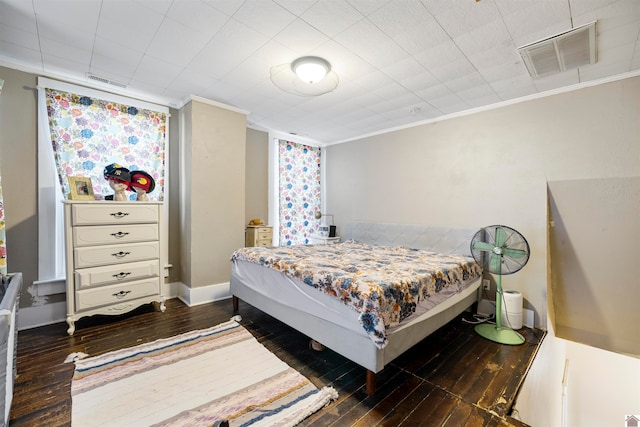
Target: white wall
[491, 167]
[598, 389]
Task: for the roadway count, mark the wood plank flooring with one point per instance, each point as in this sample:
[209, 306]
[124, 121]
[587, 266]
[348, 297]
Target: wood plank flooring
[452, 378]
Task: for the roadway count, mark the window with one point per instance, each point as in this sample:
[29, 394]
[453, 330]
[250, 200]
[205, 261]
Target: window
[80, 131]
[298, 192]
[88, 134]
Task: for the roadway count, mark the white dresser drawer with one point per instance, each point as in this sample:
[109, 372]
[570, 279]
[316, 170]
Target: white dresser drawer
[106, 295]
[258, 236]
[93, 256]
[114, 213]
[113, 234]
[265, 235]
[119, 273]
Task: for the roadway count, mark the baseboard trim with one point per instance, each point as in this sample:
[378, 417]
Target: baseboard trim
[43, 315]
[487, 308]
[203, 294]
[48, 314]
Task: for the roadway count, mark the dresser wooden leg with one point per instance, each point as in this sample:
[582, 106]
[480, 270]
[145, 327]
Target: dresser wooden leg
[159, 305]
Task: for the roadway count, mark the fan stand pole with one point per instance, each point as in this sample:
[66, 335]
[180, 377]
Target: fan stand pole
[496, 332]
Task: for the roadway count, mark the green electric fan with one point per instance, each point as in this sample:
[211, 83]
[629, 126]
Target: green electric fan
[499, 250]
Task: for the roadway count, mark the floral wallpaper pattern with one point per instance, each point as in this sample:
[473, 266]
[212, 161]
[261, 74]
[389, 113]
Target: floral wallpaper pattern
[3, 243]
[88, 134]
[299, 172]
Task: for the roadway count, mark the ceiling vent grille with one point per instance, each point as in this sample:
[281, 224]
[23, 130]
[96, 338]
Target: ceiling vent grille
[560, 53]
[105, 80]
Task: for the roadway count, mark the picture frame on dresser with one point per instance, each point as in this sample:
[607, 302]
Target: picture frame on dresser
[80, 188]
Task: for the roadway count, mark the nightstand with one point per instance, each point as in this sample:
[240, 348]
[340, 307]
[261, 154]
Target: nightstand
[315, 239]
[258, 235]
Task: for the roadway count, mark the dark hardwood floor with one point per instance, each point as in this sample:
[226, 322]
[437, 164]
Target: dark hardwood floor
[452, 378]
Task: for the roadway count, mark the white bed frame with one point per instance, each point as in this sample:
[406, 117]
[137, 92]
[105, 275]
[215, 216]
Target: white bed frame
[353, 343]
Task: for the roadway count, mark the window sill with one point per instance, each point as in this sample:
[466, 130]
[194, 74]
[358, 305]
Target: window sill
[50, 287]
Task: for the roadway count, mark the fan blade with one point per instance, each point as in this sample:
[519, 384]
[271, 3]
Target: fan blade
[494, 263]
[501, 236]
[483, 246]
[513, 253]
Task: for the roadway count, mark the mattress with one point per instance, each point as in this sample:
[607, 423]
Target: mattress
[333, 289]
[295, 294]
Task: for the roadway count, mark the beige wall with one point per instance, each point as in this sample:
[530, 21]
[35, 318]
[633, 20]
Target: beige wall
[491, 167]
[214, 196]
[18, 166]
[257, 176]
[173, 199]
[185, 193]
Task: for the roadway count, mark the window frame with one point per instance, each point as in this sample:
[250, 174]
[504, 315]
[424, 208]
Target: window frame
[51, 263]
[274, 178]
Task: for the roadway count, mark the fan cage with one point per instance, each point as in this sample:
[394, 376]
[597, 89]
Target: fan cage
[513, 240]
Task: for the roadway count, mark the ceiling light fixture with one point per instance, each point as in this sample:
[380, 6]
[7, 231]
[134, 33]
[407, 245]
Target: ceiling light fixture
[306, 76]
[310, 69]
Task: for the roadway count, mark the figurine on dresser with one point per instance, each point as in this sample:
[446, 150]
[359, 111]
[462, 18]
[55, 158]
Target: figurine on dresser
[119, 178]
[142, 183]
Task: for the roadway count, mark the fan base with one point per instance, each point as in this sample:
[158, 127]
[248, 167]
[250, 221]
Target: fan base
[500, 335]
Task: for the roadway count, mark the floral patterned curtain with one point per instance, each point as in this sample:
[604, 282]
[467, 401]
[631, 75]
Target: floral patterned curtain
[3, 244]
[88, 134]
[299, 172]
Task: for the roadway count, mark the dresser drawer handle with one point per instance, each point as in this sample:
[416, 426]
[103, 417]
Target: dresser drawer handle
[121, 294]
[119, 234]
[121, 254]
[119, 214]
[121, 275]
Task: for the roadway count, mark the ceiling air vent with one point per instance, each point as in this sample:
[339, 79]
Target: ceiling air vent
[563, 52]
[105, 80]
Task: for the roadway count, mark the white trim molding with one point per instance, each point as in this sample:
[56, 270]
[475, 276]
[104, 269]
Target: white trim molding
[50, 287]
[204, 294]
[214, 103]
[42, 315]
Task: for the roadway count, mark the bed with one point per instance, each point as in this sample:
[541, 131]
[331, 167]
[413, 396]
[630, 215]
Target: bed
[336, 303]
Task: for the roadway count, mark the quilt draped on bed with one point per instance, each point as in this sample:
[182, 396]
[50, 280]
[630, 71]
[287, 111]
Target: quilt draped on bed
[383, 284]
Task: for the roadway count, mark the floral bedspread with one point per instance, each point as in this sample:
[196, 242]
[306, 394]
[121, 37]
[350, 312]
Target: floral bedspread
[383, 284]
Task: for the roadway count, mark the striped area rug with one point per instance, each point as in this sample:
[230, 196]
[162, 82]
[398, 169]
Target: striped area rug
[193, 379]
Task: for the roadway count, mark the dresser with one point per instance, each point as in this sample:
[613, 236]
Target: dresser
[112, 257]
[258, 235]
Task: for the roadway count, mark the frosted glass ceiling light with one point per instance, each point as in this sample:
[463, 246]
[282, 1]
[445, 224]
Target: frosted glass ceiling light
[310, 69]
[306, 76]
